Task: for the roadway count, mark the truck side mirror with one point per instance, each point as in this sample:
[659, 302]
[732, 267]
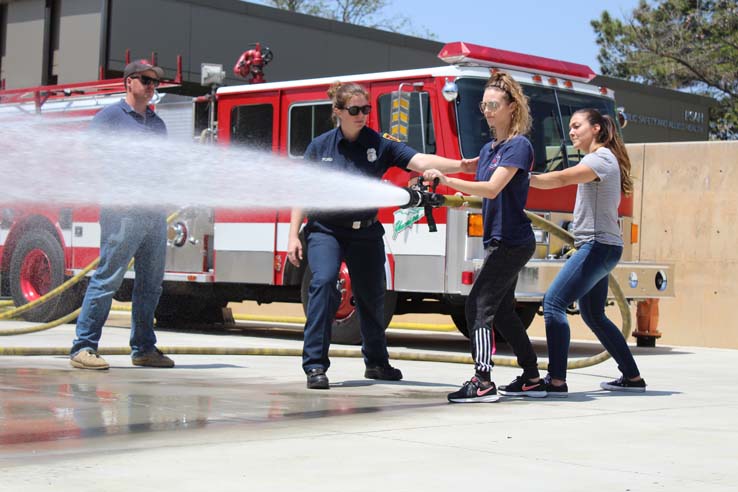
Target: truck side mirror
[622, 117]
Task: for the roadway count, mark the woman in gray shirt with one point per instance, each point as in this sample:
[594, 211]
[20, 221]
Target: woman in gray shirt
[601, 176]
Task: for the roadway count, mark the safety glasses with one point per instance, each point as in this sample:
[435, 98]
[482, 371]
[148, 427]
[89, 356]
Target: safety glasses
[354, 110]
[146, 80]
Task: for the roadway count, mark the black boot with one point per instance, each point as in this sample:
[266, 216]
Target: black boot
[385, 373]
[316, 379]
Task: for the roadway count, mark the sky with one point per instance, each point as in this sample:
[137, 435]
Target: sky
[554, 29]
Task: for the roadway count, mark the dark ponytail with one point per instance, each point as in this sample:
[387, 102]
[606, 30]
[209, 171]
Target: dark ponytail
[609, 137]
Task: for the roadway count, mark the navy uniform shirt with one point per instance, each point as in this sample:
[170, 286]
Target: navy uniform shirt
[120, 117]
[504, 218]
[369, 155]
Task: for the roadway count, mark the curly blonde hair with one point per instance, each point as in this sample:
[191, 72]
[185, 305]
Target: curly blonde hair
[503, 82]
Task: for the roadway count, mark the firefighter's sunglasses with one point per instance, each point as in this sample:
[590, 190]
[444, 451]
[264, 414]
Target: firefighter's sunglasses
[354, 110]
[145, 80]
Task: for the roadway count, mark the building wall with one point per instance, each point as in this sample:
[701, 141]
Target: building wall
[23, 60]
[78, 55]
[689, 211]
[218, 31]
[659, 115]
[3, 28]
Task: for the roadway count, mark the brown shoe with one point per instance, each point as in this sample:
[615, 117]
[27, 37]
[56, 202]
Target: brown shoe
[88, 359]
[152, 359]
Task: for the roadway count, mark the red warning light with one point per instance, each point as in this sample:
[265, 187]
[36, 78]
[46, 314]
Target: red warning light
[471, 54]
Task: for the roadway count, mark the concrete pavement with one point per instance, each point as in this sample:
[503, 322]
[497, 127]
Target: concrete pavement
[227, 423]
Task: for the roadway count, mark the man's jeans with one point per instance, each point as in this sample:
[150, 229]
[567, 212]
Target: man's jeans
[124, 235]
[584, 278]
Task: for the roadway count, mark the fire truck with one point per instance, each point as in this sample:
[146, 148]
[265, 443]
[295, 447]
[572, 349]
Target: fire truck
[218, 255]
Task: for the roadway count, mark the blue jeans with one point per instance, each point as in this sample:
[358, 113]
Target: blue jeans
[364, 253]
[584, 278]
[139, 234]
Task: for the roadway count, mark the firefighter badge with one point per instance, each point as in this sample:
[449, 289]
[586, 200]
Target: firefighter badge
[371, 155]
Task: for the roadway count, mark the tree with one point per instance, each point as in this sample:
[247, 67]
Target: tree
[361, 12]
[687, 45]
[310, 7]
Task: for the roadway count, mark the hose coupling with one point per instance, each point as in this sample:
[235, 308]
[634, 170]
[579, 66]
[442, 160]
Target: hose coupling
[423, 194]
[420, 198]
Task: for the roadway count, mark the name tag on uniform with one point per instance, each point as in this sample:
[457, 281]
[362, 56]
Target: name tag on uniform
[327, 159]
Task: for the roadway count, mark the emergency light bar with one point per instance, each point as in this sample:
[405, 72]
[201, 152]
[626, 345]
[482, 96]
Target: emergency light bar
[461, 53]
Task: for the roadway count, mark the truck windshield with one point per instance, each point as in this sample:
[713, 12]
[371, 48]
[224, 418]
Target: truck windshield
[550, 112]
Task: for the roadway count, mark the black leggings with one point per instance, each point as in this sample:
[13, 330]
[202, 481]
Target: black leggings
[492, 301]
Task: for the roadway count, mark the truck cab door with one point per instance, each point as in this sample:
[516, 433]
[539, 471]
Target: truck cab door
[307, 114]
[407, 110]
[244, 240]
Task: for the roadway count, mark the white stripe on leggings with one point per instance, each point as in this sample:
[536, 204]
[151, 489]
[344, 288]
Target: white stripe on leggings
[484, 349]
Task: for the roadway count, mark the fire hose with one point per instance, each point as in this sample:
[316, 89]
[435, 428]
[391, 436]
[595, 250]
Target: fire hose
[419, 196]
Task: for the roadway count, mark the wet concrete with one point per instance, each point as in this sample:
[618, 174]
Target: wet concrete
[237, 423]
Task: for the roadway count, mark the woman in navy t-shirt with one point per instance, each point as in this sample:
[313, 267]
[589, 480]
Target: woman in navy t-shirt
[502, 182]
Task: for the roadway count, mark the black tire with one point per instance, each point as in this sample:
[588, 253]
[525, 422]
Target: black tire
[37, 267]
[177, 310]
[124, 292]
[526, 312]
[347, 330]
[458, 316]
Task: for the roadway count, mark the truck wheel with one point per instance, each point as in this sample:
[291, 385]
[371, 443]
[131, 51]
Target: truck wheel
[526, 312]
[173, 311]
[213, 311]
[346, 327]
[37, 267]
[458, 316]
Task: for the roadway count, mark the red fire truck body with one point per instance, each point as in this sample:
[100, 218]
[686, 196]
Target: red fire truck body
[216, 256]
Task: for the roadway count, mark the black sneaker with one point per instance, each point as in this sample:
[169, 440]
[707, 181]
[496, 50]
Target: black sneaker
[316, 379]
[475, 391]
[625, 384]
[555, 391]
[524, 387]
[385, 373]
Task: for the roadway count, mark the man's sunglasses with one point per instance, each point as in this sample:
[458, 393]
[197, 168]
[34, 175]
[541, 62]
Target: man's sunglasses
[354, 110]
[146, 80]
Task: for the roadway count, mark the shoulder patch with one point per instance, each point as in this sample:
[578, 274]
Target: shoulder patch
[390, 137]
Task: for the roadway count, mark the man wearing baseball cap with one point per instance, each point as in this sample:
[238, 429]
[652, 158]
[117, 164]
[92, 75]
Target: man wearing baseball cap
[125, 233]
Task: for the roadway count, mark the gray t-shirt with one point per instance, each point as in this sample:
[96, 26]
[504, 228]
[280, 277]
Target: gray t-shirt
[596, 208]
